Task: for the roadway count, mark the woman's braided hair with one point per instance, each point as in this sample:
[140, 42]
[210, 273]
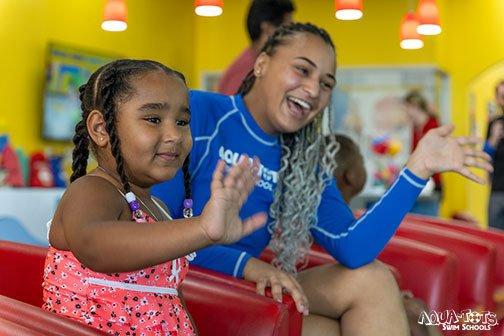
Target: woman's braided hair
[305, 170]
[105, 89]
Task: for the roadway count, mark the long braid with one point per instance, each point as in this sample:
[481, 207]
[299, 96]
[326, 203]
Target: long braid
[187, 178]
[247, 83]
[305, 171]
[109, 86]
[80, 153]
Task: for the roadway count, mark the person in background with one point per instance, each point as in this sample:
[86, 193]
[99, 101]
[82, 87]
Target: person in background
[494, 146]
[350, 175]
[423, 121]
[263, 17]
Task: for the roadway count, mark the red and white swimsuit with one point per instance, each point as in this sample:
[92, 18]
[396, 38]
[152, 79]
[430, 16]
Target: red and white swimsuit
[144, 302]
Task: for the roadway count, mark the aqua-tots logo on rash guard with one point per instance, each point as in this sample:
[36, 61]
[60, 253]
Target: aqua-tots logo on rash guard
[268, 178]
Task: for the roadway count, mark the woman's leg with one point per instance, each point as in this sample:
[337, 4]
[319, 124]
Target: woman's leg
[316, 325]
[366, 301]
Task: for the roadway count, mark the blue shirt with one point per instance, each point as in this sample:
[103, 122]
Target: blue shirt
[223, 128]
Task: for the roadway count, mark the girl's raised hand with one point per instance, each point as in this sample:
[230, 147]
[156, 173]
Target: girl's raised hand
[439, 152]
[220, 218]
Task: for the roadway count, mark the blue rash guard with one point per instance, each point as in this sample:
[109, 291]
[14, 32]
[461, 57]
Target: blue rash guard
[223, 128]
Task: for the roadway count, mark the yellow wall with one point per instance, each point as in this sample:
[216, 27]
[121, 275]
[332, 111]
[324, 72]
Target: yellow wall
[156, 31]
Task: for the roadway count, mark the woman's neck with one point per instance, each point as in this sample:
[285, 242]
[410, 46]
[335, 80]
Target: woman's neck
[254, 101]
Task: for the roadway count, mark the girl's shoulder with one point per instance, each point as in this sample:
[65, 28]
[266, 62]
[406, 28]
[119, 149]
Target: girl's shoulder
[95, 191]
[87, 199]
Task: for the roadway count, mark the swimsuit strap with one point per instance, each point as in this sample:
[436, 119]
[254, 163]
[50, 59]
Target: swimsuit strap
[161, 208]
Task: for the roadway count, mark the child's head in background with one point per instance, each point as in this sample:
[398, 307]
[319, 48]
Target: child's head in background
[350, 172]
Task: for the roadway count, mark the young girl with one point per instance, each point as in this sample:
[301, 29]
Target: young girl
[277, 118]
[117, 259]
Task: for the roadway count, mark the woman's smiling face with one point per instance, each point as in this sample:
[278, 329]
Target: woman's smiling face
[296, 81]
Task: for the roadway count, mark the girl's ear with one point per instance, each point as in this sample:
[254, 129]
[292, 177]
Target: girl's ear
[261, 64]
[96, 128]
[348, 177]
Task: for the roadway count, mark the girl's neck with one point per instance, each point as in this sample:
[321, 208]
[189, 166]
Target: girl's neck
[113, 176]
[254, 101]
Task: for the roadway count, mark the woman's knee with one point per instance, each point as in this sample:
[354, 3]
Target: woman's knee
[372, 275]
[334, 289]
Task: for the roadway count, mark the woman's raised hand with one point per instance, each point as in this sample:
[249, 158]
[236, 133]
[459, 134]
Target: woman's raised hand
[439, 152]
[220, 218]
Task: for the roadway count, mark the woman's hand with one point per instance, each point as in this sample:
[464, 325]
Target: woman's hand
[439, 152]
[220, 218]
[266, 275]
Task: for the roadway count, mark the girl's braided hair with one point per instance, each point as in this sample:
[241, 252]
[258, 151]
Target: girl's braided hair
[105, 89]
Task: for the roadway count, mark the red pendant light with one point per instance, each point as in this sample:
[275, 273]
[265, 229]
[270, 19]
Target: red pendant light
[115, 16]
[410, 39]
[348, 9]
[428, 18]
[208, 7]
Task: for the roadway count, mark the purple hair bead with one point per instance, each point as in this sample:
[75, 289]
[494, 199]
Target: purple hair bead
[188, 203]
[134, 206]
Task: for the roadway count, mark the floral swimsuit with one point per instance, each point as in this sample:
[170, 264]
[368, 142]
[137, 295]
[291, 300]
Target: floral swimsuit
[144, 302]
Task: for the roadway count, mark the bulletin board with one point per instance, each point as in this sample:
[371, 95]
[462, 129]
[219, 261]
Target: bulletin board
[67, 68]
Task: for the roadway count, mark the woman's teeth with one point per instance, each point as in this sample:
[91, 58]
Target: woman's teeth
[301, 103]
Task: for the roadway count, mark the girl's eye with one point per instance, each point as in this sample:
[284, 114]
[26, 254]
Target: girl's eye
[154, 120]
[182, 122]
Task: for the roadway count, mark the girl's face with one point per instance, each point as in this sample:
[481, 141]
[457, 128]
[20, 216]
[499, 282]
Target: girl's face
[153, 127]
[296, 81]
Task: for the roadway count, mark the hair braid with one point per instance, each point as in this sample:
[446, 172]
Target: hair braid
[80, 153]
[247, 83]
[109, 92]
[187, 178]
